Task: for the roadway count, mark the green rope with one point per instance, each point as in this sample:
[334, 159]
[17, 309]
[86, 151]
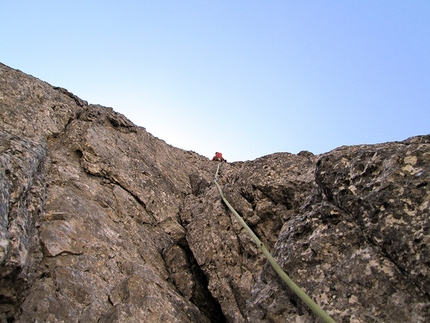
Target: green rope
[296, 289]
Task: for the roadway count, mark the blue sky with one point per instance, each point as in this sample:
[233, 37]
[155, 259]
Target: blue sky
[247, 78]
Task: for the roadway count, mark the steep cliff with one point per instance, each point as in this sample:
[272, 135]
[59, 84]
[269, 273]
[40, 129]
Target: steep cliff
[102, 222]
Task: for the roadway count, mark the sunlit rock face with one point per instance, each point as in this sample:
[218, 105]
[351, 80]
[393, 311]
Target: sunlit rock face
[102, 222]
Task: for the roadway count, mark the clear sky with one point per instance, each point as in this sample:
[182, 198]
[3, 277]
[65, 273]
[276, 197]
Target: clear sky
[247, 78]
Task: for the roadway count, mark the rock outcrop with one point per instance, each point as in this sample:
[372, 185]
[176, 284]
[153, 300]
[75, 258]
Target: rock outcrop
[102, 222]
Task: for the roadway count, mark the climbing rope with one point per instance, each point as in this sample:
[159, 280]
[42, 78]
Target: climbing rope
[296, 289]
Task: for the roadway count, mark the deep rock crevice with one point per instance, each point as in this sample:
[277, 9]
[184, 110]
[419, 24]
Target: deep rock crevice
[191, 281]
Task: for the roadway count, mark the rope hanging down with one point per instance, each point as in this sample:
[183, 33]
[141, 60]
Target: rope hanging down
[296, 289]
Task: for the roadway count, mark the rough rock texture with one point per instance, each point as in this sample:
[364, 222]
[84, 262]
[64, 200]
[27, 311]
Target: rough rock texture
[102, 222]
[265, 192]
[360, 244]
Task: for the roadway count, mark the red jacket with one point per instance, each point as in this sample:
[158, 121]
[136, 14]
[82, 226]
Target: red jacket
[218, 157]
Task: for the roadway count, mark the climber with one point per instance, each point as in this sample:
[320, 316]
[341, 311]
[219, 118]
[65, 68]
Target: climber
[218, 157]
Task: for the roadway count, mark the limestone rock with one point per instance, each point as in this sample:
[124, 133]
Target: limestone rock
[359, 246]
[89, 204]
[102, 222]
[265, 192]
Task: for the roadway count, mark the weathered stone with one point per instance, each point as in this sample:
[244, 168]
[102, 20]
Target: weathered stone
[102, 222]
[22, 199]
[265, 192]
[359, 246]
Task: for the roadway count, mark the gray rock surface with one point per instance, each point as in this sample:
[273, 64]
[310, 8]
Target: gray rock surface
[102, 222]
[360, 244]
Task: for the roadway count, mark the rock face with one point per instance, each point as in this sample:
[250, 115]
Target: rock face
[360, 243]
[102, 222]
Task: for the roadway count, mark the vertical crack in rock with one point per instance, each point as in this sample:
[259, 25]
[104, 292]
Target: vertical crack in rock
[191, 282]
